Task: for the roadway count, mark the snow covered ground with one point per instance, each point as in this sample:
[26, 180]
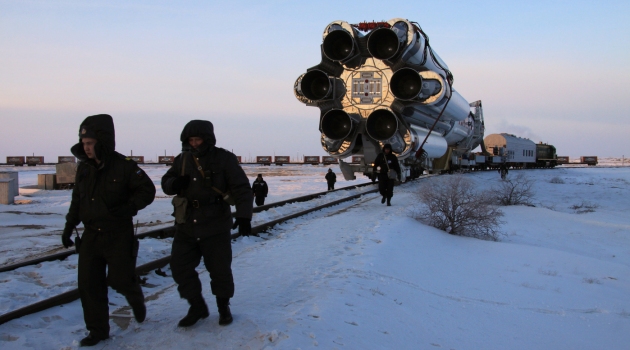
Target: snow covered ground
[365, 276]
[34, 226]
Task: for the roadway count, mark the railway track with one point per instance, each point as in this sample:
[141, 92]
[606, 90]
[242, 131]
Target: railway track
[169, 231]
[73, 294]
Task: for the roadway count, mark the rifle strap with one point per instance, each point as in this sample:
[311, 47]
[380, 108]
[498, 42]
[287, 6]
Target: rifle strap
[204, 176]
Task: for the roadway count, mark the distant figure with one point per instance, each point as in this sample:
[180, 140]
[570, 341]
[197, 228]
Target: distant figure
[503, 170]
[386, 161]
[260, 189]
[331, 178]
[109, 191]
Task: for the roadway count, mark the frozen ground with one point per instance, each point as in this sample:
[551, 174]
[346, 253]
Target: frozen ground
[365, 276]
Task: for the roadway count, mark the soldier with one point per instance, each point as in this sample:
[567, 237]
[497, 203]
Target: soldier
[109, 190]
[260, 190]
[204, 177]
[331, 178]
[386, 161]
[503, 170]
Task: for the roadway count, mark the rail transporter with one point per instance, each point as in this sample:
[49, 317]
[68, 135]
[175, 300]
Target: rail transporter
[381, 82]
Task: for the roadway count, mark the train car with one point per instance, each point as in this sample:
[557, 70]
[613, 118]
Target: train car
[327, 160]
[280, 160]
[311, 160]
[137, 159]
[34, 160]
[263, 160]
[238, 158]
[546, 156]
[167, 160]
[515, 151]
[588, 160]
[16, 160]
[66, 159]
[562, 160]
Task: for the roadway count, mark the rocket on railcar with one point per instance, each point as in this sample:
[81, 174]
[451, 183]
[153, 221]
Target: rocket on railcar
[381, 83]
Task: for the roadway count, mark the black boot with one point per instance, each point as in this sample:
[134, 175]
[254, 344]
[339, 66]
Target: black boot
[198, 310]
[138, 308]
[91, 340]
[383, 200]
[389, 203]
[225, 316]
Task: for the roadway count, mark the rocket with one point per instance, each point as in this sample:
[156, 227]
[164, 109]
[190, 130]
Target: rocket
[382, 83]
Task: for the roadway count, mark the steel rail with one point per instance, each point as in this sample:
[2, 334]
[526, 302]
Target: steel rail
[169, 231]
[73, 294]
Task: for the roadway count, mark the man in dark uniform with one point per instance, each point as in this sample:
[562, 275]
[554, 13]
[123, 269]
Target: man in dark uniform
[109, 190]
[331, 178]
[386, 161]
[260, 190]
[204, 174]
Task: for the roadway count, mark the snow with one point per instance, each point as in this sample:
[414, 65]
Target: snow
[365, 276]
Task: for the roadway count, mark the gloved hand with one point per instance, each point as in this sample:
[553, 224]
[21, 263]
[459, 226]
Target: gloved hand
[244, 226]
[124, 210]
[65, 236]
[181, 183]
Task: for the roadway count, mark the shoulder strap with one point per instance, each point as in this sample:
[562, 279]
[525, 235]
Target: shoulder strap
[199, 166]
[204, 176]
[183, 163]
[385, 158]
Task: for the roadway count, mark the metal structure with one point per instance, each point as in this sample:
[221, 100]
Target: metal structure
[380, 83]
[513, 149]
[34, 160]
[16, 160]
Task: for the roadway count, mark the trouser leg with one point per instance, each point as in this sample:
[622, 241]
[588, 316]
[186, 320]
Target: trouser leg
[121, 260]
[93, 284]
[217, 256]
[382, 186]
[260, 200]
[185, 257]
[390, 188]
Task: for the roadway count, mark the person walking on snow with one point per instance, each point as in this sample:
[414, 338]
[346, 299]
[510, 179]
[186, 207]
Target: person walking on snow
[331, 178]
[260, 189]
[204, 177]
[386, 161]
[109, 190]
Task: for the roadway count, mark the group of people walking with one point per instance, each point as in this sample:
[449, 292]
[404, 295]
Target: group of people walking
[110, 189]
[205, 180]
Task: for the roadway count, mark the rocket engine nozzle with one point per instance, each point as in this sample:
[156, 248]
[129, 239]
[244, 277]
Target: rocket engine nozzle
[383, 43]
[337, 124]
[406, 84]
[381, 125]
[315, 85]
[338, 45]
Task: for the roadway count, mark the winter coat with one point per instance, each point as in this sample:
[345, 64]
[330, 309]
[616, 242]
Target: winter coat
[107, 195]
[392, 162]
[259, 188]
[207, 213]
[331, 177]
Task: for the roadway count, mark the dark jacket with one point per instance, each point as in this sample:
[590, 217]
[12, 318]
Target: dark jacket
[331, 177]
[207, 213]
[259, 188]
[392, 162]
[106, 196]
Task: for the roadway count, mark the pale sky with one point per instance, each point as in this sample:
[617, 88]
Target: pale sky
[552, 71]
